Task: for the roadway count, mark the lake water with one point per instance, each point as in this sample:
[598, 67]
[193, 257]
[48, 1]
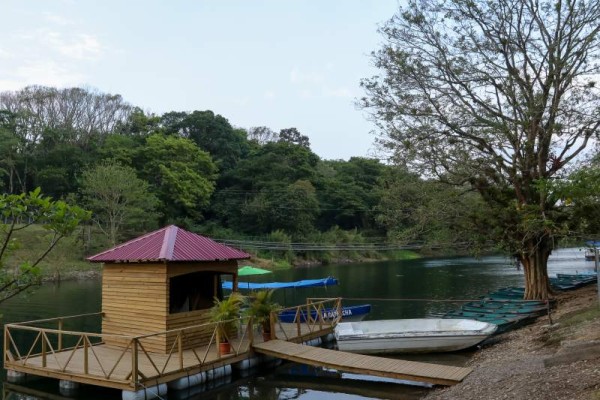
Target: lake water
[398, 289]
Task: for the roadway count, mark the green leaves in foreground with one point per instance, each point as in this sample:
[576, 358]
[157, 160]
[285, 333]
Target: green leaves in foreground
[20, 212]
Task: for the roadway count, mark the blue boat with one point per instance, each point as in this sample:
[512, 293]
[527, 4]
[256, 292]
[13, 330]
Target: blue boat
[349, 314]
[306, 283]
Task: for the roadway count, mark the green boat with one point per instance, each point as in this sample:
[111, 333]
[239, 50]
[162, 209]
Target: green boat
[503, 322]
[504, 308]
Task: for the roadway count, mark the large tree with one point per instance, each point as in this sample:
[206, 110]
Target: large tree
[181, 175]
[497, 94]
[118, 199]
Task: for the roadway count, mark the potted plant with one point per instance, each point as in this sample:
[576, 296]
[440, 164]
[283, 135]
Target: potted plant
[225, 312]
[260, 308]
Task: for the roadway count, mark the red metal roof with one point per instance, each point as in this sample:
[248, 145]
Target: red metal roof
[170, 244]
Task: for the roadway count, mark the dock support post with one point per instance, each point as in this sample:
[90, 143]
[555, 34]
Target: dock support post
[134, 363]
[60, 339]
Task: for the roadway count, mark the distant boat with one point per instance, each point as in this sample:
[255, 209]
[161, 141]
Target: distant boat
[306, 283]
[422, 335]
[349, 314]
[590, 252]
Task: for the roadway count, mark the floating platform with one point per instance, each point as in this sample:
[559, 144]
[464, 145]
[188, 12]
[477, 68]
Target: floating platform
[363, 364]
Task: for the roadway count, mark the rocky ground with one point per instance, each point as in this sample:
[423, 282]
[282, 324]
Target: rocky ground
[513, 365]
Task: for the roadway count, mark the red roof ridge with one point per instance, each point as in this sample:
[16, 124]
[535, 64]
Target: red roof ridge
[137, 239]
[168, 244]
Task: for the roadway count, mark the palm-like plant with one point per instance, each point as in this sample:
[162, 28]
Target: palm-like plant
[225, 312]
[260, 308]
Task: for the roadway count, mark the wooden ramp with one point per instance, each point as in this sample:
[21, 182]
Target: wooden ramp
[363, 364]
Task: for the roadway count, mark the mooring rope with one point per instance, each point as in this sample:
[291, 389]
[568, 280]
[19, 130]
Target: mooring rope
[432, 300]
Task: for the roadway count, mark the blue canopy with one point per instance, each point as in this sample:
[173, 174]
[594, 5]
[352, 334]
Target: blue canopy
[592, 243]
[283, 285]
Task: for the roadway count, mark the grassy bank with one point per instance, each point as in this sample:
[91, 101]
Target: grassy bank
[67, 259]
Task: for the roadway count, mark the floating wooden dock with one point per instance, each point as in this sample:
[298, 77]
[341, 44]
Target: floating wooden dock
[363, 364]
[96, 359]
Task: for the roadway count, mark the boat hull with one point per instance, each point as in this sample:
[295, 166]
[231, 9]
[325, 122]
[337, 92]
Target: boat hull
[427, 335]
[349, 314]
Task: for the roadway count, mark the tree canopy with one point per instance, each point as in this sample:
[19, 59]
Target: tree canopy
[497, 95]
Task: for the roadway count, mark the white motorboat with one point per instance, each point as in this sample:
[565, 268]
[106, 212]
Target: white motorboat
[423, 335]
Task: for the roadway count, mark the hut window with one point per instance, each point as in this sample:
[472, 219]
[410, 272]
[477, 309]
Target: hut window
[191, 292]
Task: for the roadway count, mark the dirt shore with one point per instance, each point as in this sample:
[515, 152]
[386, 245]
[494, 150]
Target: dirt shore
[513, 366]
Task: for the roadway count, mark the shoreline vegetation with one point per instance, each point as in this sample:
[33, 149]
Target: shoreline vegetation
[67, 260]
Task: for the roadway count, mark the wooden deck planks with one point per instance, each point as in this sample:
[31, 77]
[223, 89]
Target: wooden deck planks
[109, 355]
[368, 365]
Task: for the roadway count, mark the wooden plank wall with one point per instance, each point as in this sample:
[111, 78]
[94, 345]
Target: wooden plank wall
[135, 301]
[193, 337]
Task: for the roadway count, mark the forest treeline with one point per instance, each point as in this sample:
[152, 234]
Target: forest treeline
[137, 171]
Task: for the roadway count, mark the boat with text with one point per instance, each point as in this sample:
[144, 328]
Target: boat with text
[349, 313]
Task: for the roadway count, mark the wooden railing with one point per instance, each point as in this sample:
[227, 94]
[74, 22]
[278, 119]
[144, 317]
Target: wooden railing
[43, 349]
[312, 317]
[79, 356]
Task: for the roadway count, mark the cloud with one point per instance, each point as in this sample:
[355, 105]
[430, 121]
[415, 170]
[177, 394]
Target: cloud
[57, 19]
[341, 92]
[46, 72]
[300, 77]
[5, 54]
[81, 47]
[269, 94]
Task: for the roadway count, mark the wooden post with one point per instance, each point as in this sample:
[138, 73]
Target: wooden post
[85, 355]
[60, 328]
[43, 337]
[218, 328]
[597, 270]
[272, 325]
[134, 363]
[250, 330]
[180, 350]
[5, 353]
[235, 283]
[299, 320]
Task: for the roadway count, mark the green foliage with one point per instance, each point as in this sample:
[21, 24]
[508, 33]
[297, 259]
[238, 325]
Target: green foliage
[21, 212]
[212, 133]
[579, 192]
[261, 306]
[453, 102]
[226, 311]
[346, 193]
[119, 200]
[429, 213]
[180, 174]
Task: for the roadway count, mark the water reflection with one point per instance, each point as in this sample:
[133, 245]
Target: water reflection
[406, 289]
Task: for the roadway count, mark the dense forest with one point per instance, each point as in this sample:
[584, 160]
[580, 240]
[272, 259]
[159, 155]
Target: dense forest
[263, 190]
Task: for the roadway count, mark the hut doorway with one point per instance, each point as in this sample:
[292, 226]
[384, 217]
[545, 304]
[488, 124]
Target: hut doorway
[195, 291]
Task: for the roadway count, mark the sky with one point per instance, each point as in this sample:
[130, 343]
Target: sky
[279, 63]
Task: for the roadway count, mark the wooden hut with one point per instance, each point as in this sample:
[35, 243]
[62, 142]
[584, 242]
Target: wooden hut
[164, 280]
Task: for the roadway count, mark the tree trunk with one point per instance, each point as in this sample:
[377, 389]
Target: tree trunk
[535, 266]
